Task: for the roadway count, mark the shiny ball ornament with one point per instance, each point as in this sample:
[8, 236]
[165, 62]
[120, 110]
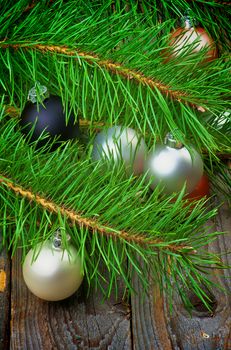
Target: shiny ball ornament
[223, 121]
[121, 144]
[51, 272]
[47, 117]
[181, 38]
[171, 165]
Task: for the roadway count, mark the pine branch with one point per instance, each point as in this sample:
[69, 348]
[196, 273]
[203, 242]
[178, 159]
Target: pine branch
[90, 224]
[91, 87]
[111, 219]
[115, 68]
[15, 112]
[66, 177]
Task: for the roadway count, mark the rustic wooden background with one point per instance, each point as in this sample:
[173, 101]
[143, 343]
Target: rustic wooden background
[86, 323]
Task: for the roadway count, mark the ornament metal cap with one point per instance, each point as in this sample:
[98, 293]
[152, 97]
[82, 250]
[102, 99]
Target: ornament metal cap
[188, 21]
[57, 241]
[170, 141]
[38, 93]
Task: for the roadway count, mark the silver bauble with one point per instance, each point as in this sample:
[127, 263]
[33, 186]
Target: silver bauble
[223, 120]
[52, 273]
[172, 165]
[119, 143]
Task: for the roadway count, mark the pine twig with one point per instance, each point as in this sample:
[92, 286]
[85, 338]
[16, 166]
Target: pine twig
[91, 224]
[14, 112]
[116, 68]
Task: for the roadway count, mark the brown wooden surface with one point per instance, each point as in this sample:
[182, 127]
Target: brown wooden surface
[4, 298]
[88, 323]
[154, 328]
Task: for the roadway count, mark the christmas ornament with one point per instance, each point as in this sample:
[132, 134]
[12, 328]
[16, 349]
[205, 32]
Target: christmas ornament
[223, 120]
[181, 38]
[172, 165]
[119, 143]
[201, 190]
[55, 273]
[44, 113]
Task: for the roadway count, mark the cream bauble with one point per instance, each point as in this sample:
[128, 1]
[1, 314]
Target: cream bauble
[51, 272]
[118, 144]
[172, 165]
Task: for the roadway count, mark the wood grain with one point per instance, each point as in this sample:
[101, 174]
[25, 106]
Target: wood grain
[155, 328]
[76, 323]
[149, 327]
[4, 298]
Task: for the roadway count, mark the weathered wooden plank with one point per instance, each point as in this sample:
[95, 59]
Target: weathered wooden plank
[76, 323]
[154, 328]
[4, 298]
[204, 330]
[149, 327]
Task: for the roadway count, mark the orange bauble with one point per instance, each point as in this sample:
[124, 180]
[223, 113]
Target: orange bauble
[201, 190]
[182, 37]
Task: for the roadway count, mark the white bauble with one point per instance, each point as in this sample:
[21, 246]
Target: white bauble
[118, 144]
[55, 274]
[172, 166]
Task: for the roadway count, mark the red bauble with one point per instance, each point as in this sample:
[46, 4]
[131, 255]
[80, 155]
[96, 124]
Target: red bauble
[182, 37]
[201, 190]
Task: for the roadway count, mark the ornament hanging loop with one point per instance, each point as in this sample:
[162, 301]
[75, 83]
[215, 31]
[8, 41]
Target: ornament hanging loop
[38, 93]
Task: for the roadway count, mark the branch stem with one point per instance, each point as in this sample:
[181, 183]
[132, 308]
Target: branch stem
[15, 112]
[91, 224]
[116, 68]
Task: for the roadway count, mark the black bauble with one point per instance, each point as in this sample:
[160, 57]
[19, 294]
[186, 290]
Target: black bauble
[48, 117]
